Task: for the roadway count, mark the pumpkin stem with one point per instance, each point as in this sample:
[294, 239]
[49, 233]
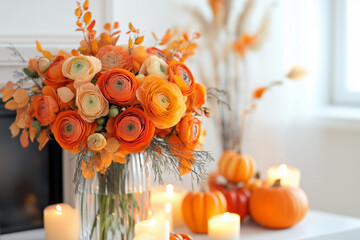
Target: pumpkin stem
[257, 175]
[277, 183]
[203, 187]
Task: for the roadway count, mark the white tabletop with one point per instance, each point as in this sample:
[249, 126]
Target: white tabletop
[316, 226]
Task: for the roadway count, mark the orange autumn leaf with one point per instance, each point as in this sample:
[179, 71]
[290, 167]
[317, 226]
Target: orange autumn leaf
[24, 138]
[21, 97]
[196, 35]
[116, 25]
[139, 40]
[79, 23]
[102, 161]
[87, 169]
[75, 53]
[130, 43]
[42, 139]
[78, 12]
[107, 27]
[7, 94]
[94, 46]
[154, 35]
[87, 18]
[119, 158]
[86, 5]
[259, 92]
[112, 145]
[11, 105]
[39, 47]
[8, 85]
[47, 54]
[131, 27]
[14, 129]
[91, 26]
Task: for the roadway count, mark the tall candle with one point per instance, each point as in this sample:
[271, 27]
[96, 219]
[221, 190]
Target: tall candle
[153, 227]
[162, 212]
[224, 227]
[173, 195]
[61, 222]
[289, 176]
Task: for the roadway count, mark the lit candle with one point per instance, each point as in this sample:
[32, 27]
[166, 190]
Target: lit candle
[224, 227]
[157, 228]
[172, 195]
[61, 222]
[162, 212]
[289, 176]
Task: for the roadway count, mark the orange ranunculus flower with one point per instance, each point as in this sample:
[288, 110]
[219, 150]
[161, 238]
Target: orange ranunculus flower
[114, 57]
[162, 101]
[134, 130]
[189, 129]
[81, 69]
[197, 98]
[118, 86]
[54, 76]
[181, 75]
[157, 52]
[71, 130]
[182, 153]
[91, 102]
[46, 108]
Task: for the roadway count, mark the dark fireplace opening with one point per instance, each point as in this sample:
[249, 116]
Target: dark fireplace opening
[30, 179]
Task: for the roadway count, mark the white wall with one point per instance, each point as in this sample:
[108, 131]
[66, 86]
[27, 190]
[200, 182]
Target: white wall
[292, 124]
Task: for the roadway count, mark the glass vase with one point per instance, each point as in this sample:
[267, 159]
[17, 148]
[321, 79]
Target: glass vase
[110, 204]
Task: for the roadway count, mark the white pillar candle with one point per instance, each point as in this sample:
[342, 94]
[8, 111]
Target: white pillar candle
[173, 195]
[61, 222]
[145, 236]
[157, 228]
[162, 212]
[224, 227]
[289, 176]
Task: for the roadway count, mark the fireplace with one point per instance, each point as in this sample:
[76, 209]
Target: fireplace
[30, 179]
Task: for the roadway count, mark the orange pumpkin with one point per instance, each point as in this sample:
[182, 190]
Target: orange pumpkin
[236, 167]
[277, 206]
[180, 237]
[199, 207]
[254, 183]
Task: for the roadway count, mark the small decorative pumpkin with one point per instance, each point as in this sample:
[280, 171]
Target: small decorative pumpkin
[278, 206]
[236, 167]
[199, 207]
[237, 199]
[254, 183]
[180, 237]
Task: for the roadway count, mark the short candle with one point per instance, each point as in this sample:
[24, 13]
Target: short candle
[157, 228]
[61, 222]
[289, 176]
[224, 227]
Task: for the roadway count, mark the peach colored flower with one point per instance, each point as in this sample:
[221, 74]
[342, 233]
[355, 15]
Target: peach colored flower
[154, 65]
[118, 86]
[114, 57]
[81, 69]
[96, 142]
[54, 76]
[90, 102]
[162, 101]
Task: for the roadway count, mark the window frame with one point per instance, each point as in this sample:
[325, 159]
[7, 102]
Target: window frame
[340, 95]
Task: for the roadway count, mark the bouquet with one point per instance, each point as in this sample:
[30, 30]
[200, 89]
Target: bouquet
[105, 101]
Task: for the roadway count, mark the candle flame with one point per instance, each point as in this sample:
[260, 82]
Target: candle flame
[169, 189]
[282, 170]
[150, 213]
[168, 208]
[58, 208]
[226, 215]
[152, 221]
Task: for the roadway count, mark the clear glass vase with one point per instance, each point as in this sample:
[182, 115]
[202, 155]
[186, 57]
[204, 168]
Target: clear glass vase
[110, 204]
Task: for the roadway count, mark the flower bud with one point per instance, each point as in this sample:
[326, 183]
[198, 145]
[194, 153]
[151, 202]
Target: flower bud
[96, 142]
[43, 64]
[113, 112]
[100, 121]
[36, 124]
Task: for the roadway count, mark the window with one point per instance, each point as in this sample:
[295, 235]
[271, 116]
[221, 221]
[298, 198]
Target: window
[346, 47]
